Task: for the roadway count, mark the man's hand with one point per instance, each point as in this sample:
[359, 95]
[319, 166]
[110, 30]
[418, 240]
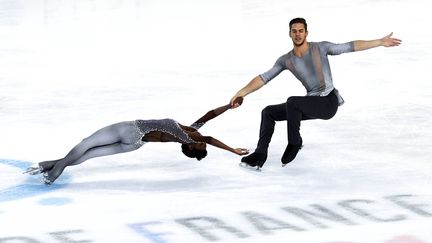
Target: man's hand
[388, 41]
[241, 151]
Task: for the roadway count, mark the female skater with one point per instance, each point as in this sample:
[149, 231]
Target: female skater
[130, 135]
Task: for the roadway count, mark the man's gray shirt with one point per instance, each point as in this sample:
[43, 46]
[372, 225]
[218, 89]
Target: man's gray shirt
[312, 69]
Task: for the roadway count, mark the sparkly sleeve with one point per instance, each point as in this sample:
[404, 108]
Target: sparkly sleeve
[197, 125]
[169, 126]
[277, 68]
[337, 49]
[210, 115]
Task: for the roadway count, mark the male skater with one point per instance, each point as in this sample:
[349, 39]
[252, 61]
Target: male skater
[308, 62]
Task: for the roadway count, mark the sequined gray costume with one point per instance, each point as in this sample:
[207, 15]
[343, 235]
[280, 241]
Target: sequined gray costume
[164, 125]
[116, 138]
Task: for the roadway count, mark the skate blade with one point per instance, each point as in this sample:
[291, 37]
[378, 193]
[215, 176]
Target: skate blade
[253, 168]
[45, 180]
[32, 170]
[283, 165]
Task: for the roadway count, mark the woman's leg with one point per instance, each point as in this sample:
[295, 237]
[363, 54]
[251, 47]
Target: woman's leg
[113, 139]
[51, 175]
[105, 150]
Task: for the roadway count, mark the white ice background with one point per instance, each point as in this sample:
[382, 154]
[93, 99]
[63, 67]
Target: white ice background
[70, 67]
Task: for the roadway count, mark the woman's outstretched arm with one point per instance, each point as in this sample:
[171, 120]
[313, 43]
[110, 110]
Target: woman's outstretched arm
[219, 144]
[216, 112]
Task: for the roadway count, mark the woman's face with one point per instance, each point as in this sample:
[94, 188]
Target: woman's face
[198, 146]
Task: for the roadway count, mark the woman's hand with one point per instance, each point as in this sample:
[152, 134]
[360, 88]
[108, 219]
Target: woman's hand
[241, 151]
[236, 101]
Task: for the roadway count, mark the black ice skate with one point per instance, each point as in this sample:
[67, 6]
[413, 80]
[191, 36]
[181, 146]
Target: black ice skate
[254, 160]
[290, 153]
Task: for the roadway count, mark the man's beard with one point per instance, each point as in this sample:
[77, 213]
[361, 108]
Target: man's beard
[297, 45]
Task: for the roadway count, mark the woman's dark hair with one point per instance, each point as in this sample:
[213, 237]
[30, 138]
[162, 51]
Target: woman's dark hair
[193, 153]
[298, 21]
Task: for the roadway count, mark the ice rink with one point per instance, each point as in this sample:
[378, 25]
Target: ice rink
[70, 67]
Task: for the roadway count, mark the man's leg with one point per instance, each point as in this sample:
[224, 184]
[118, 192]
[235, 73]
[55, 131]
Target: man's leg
[303, 108]
[269, 116]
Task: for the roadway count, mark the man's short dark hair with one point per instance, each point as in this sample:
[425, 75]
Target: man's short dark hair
[298, 21]
[193, 153]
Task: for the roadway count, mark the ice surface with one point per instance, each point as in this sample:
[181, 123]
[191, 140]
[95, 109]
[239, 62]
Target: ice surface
[70, 67]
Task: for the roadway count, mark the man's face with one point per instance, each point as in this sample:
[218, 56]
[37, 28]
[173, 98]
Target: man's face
[298, 34]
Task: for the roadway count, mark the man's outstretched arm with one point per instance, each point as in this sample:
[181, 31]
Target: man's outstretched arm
[255, 84]
[387, 41]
